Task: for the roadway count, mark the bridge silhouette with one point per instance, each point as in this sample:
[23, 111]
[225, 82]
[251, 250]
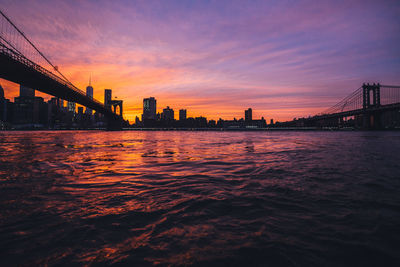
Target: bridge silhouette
[23, 63]
[371, 106]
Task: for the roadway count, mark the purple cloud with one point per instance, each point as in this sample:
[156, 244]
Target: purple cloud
[225, 54]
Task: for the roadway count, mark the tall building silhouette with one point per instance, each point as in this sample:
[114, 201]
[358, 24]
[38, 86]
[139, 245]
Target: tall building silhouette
[89, 93]
[182, 114]
[26, 106]
[107, 98]
[248, 115]
[149, 108]
[167, 114]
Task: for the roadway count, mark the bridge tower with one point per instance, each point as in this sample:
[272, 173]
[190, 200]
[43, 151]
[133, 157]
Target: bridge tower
[376, 95]
[115, 104]
[371, 117]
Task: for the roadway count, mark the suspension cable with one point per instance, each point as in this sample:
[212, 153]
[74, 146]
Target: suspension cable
[40, 53]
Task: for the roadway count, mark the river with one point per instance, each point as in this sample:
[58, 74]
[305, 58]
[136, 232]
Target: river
[200, 198]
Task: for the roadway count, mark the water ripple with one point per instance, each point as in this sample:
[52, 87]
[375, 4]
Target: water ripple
[200, 198]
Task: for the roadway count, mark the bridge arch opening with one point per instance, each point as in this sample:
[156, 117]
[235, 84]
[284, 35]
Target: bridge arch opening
[371, 97]
[117, 109]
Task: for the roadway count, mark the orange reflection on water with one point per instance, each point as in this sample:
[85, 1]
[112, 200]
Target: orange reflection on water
[145, 193]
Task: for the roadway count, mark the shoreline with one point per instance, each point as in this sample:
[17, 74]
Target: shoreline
[212, 129]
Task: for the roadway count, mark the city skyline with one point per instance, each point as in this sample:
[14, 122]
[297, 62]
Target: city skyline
[29, 111]
[284, 60]
[199, 132]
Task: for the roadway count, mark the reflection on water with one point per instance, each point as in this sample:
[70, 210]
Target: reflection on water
[200, 198]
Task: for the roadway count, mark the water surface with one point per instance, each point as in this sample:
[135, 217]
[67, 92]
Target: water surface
[200, 198]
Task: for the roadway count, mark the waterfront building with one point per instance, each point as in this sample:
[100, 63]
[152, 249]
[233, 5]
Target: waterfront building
[89, 93]
[3, 107]
[9, 110]
[248, 115]
[26, 107]
[26, 91]
[212, 123]
[167, 114]
[137, 121]
[200, 122]
[54, 112]
[182, 114]
[107, 98]
[149, 108]
[71, 107]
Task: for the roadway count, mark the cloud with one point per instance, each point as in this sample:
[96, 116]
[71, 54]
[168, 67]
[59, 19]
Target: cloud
[216, 57]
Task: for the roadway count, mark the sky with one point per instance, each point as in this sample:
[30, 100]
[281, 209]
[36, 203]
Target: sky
[216, 58]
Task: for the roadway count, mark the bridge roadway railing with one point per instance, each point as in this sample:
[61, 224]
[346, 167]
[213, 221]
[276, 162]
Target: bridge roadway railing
[355, 112]
[22, 59]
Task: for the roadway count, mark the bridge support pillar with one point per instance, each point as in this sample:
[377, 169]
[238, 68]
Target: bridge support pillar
[366, 121]
[341, 122]
[372, 121]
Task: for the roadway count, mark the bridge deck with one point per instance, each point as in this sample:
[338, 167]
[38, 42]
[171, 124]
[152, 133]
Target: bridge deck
[356, 112]
[18, 69]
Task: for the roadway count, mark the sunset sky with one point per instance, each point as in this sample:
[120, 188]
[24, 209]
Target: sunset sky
[284, 59]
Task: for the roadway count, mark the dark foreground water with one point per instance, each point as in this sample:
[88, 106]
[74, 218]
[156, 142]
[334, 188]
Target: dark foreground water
[200, 198]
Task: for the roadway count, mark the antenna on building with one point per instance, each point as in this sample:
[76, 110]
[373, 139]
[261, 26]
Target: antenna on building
[90, 80]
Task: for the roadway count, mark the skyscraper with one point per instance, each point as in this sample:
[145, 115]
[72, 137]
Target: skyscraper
[26, 106]
[149, 108]
[89, 93]
[182, 114]
[248, 115]
[167, 114]
[107, 98]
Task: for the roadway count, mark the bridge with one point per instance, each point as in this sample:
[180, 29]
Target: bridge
[23, 63]
[371, 106]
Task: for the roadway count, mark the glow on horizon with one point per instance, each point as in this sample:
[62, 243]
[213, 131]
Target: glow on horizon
[284, 59]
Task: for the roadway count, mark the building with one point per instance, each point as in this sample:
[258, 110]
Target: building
[212, 123]
[107, 98]
[26, 107]
[242, 124]
[26, 91]
[182, 114]
[167, 114]
[200, 122]
[149, 108]
[137, 121]
[54, 112]
[9, 110]
[3, 107]
[248, 115]
[89, 93]
[71, 107]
